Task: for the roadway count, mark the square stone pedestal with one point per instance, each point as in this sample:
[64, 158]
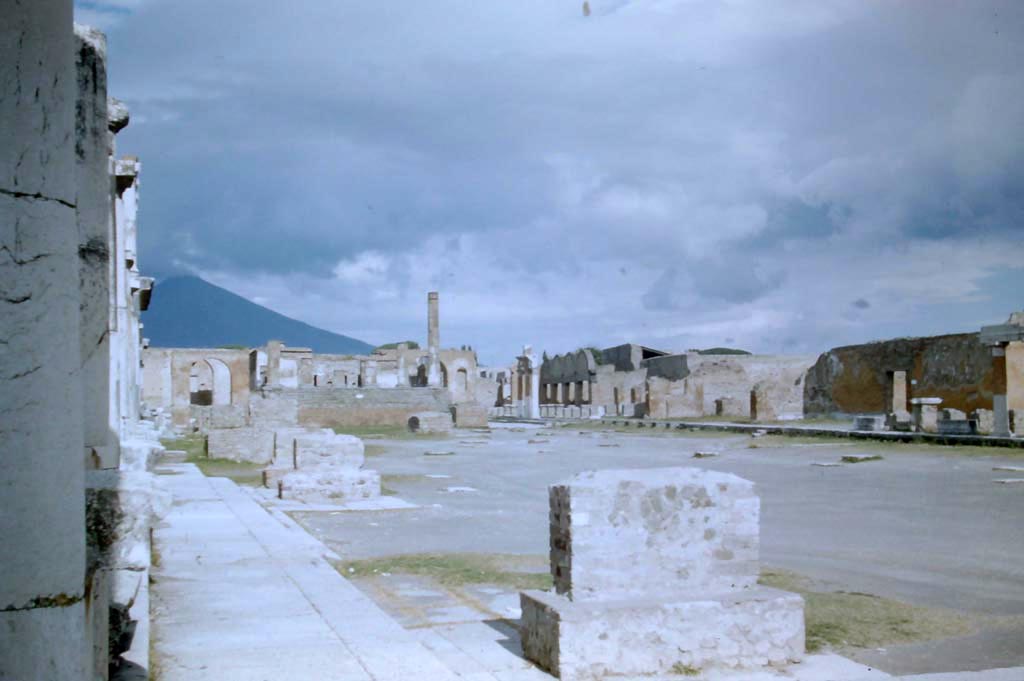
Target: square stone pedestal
[330, 485]
[589, 640]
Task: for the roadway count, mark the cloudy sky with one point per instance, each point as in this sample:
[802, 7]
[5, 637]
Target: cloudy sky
[778, 176]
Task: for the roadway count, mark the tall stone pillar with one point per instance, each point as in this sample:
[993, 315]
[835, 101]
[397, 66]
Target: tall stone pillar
[42, 526]
[1000, 409]
[273, 364]
[433, 327]
[433, 341]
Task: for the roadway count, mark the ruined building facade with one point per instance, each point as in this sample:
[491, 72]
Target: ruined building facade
[209, 388]
[636, 381]
[78, 499]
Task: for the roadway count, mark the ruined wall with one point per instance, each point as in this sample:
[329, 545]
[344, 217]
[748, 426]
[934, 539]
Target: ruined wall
[958, 368]
[166, 377]
[674, 399]
[329, 407]
[623, 357]
[778, 379]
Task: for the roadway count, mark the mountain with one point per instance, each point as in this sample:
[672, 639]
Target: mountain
[188, 312]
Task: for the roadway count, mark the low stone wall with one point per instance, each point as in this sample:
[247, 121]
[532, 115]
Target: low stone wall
[331, 407]
[253, 445]
[430, 422]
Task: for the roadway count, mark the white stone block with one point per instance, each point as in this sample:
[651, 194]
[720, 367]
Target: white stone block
[618, 533]
[589, 640]
[327, 485]
[327, 450]
[255, 445]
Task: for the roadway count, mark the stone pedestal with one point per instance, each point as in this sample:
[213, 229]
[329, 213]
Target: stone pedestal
[321, 466]
[655, 571]
[926, 414]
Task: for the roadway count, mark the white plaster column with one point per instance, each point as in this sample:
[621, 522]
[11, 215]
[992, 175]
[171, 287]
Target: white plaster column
[42, 525]
[1001, 413]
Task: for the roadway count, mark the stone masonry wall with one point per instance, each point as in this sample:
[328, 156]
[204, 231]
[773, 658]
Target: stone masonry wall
[328, 407]
[957, 368]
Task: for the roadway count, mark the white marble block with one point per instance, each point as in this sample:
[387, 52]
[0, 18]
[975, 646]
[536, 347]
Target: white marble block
[656, 570]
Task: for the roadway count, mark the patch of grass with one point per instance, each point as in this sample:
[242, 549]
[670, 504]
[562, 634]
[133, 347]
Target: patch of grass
[243, 473]
[194, 446]
[453, 569]
[685, 669]
[842, 618]
[385, 433]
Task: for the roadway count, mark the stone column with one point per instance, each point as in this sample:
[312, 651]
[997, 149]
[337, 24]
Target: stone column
[433, 327]
[1001, 414]
[434, 378]
[42, 526]
[534, 411]
[95, 187]
[273, 364]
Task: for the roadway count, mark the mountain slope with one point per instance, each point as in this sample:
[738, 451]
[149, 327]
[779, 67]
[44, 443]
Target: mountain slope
[188, 312]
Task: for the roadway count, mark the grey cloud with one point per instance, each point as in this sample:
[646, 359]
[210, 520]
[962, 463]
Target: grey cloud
[714, 152]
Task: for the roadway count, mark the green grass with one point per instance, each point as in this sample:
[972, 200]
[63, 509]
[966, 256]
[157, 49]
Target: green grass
[243, 473]
[848, 619]
[455, 569]
[385, 433]
[685, 669]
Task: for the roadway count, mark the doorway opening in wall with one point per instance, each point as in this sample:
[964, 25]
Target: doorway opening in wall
[201, 384]
[462, 382]
[444, 375]
[414, 424]
[420, 379]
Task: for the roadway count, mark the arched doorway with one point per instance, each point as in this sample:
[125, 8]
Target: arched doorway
[221, 381]
[200, 384]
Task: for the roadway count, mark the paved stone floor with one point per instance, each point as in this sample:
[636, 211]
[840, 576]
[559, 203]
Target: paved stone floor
[926, 524]
[243, 592]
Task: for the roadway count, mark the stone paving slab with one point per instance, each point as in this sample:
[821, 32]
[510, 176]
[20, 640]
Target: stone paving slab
[242, 594]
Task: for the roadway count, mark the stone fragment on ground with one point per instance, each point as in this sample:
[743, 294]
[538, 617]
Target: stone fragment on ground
[860, 458]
